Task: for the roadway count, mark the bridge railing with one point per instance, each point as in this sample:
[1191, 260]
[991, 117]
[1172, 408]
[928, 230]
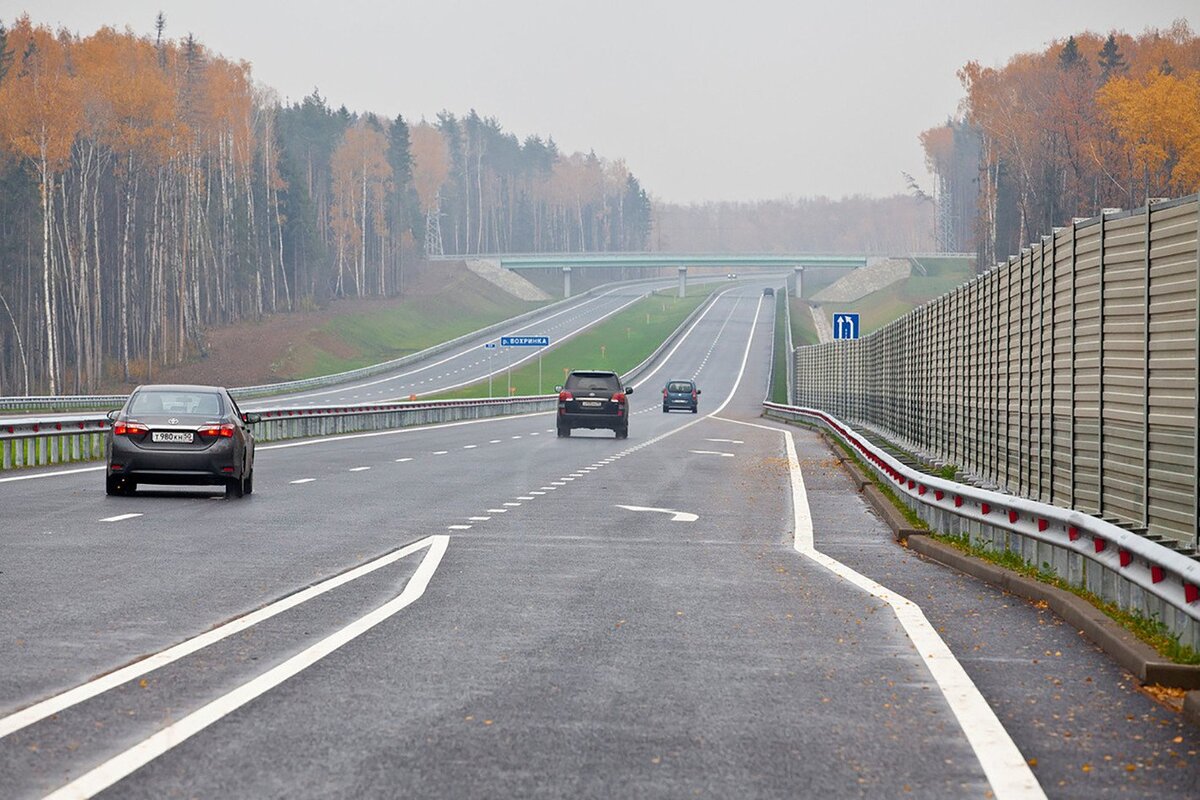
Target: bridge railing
[1067, 375]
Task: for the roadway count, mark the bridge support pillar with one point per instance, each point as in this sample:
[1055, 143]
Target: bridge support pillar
[797, 282]
[682, 281]
[566, 282]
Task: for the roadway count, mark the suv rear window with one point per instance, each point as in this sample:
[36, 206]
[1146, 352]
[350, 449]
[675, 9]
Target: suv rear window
[592, 382]
[679, 387]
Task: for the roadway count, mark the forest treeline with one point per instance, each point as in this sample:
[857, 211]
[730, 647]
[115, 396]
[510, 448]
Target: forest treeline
[149, 190]
[1089, 123]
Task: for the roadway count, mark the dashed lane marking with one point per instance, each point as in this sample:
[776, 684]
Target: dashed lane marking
[711, 453]
[440, 452]
[359, 469]
[459, 527]
[479, 519]
[120, 517]
[302, 480]
[402, 460]
[511, 504]
[497, 510]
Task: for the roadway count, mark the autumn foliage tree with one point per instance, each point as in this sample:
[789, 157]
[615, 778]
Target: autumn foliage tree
[149, 190]
[1089, 123]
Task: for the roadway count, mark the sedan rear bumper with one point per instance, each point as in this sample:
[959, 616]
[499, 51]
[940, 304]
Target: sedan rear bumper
[211, 466]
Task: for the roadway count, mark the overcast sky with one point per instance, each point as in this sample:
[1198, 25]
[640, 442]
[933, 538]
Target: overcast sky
[704, 100]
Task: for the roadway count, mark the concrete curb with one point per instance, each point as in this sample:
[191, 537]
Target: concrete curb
[1120, 645]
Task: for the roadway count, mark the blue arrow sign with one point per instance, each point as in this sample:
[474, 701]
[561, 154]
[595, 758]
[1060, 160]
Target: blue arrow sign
[845, 326]
[524, 341]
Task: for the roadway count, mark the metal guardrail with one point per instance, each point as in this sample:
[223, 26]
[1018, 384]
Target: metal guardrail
[26, 443]
[67, 402]
[1118, 565]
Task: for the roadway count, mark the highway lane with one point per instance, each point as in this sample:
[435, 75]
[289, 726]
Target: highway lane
[564, 644]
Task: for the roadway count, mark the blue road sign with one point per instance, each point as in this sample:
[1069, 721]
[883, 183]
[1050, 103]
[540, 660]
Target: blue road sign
[490, 346]
[845, 326]
[524, 341]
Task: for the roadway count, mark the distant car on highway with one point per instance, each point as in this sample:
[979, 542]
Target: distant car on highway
[173, 434]
[681, 394]
[593, 399]
[731, 276]
[768, 292]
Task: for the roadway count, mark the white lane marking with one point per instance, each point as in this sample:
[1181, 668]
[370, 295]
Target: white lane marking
[303, 480]
[1006, 769]
[55, 474]
[479, 519]
[440, 452]
[511, 504]
[549, 488]
[86, 691]
[118, 767]
[516, 437]
[711, 453]
[676, 516]
[402, 460]
[556, 484]
[470, 446]
[524, 497]
[459, 527]
[536, 433]
[494, 441]
[359, 469]
[726, 441]
[567, 478]
[120, 517]
[536, 492]
[497, 510]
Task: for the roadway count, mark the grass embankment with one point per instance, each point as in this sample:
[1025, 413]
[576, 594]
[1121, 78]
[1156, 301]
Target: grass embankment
[361, 339]
[620, 343]
[890, 303]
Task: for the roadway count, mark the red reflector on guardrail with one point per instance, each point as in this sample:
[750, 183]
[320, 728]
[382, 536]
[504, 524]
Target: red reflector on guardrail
[985, 508]
[1043, 524]
[1072, 533]
[1191, 592]
[921, 491]
[1125, 557]
[1012, 515]
[938, 494]
[912, 484]
[958, 501]
[1099, 544]
[1157, 573]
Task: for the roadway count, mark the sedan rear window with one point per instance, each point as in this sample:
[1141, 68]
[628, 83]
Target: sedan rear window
[679, 387]
[167, 402]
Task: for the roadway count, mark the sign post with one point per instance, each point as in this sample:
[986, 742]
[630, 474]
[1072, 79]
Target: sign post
[525, 341]
[491, 348]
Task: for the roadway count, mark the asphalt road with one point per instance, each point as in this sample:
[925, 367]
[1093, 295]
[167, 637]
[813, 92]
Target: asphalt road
[488, 610]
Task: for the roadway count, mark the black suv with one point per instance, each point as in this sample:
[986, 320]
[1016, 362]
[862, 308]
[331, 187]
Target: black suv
[593, 399]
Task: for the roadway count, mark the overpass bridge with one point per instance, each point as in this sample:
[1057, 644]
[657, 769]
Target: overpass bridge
[681, 262]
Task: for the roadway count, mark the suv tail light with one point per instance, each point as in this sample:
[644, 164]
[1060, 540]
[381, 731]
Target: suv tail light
[664, 391]
[619, 397]
[564, 396]
[222, 431]
[129, 429]
[693, 394]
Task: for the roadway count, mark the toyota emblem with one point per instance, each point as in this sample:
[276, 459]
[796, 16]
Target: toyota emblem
[173, 421]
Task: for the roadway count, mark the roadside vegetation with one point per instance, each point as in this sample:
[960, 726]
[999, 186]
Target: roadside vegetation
[619, 343]
[779, 374]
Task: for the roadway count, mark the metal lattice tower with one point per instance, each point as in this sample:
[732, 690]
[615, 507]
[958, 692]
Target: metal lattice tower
[433, 228]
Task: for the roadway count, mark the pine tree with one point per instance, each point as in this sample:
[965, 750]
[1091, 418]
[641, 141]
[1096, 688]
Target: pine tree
[1111, 61]
[1070, 57]
[6, 55]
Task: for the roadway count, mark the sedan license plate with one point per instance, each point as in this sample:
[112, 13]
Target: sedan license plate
[591, 403]
[171, 436]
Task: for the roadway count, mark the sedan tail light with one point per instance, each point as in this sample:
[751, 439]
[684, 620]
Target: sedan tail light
[223, 431]
[129, 429]
[564, 396]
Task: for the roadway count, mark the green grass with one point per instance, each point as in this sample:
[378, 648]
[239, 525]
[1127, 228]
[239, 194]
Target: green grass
[779, 393]
[358, 340]
[892, 302]
[619, 343]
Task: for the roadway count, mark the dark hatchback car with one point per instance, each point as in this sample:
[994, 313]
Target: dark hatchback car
[593, 399]
[682, 395]
[180, 435]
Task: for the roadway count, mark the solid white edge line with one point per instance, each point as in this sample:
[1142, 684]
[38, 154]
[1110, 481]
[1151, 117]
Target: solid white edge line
[54, 474]
[118, 767]
[1005, 768]
[665, 359]
[86, 691]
